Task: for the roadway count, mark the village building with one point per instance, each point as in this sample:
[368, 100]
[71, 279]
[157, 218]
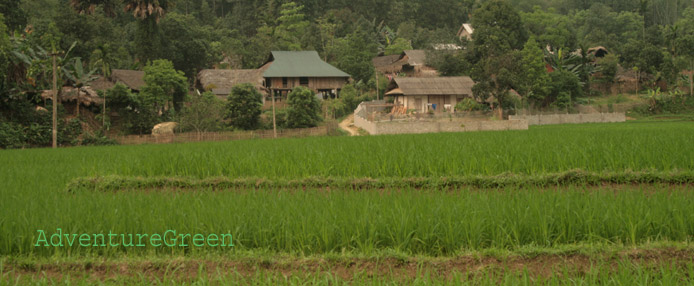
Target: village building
[221, 81]
[134, 80]
[286, 70]
[466, 31]
[411, 63]
[429, 94]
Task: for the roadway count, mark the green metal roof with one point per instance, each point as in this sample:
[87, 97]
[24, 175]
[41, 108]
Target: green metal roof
[300, 64]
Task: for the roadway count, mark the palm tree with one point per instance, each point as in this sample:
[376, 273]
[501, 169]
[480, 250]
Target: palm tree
[89, 6]
[145, 9]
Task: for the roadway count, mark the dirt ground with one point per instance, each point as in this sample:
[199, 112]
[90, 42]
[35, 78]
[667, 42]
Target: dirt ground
[348, 125]
[540, 266]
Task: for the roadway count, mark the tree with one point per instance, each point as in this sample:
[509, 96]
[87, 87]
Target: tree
[564, 89]
[499, 34]
[147, 9]
[148, 37]
[291, 28]
[79, 78]
[533, 79]
[244, 106]
[204, 113]
[354, 54]
[164, 85]
[15, 17]
[304, 108]
[187, 46]
[498, 28]
[398, 46]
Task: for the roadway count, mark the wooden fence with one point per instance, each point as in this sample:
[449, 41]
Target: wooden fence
[328, 129]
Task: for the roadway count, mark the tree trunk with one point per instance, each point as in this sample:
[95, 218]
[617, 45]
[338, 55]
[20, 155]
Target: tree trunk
[55, 104]
[77, 104]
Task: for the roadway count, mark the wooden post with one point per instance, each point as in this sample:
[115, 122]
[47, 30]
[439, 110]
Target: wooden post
[377, 91]
[274, 120]
[55, 103]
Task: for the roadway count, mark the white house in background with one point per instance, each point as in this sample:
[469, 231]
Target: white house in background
[431, 93]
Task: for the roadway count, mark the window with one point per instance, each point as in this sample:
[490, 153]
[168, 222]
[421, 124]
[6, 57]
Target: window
[303, 81]
[284, 82]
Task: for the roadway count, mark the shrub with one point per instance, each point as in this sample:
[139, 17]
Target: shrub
[97, 139]
[244, 106]
[304, 108]
[469, 104]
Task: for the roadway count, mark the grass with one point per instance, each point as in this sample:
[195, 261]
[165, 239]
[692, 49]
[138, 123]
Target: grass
[429, 222]
[417, 195]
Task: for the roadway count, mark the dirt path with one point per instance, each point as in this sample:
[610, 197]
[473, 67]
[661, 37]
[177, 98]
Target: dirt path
[543, 265]
[348, 125]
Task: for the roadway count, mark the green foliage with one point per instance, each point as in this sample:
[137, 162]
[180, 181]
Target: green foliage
[97, 139]
[137, 113]
[564, 89]
[291, 28]
[672, 102]
[534, 80]
[204, 113]
[164, 85]
[449, 63]
[469, 104]
[354, 54]
[398, 46]
[498, 28]
[608, 66]
[188, 44]
[304, 108]
[550, 28]
[244, 106]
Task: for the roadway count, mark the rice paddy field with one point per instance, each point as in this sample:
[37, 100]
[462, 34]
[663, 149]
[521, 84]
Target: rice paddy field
[609, 204]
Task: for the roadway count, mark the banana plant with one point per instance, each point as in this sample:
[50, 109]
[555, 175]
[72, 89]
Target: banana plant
[78, 78]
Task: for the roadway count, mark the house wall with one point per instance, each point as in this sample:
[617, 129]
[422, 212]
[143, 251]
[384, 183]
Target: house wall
[314, 83]
[570, 118]
[410, 101]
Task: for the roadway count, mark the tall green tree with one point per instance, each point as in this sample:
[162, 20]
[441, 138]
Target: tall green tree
[499, 34]
[164, 85]
[244, 106]
[534, 80]
[291, 28]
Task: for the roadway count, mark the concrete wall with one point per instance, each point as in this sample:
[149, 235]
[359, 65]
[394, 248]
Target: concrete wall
[570, 118]
[432, 126]
[416, 127]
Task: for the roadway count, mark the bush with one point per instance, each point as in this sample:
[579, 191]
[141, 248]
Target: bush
[11, 135]
[304, 108]
[469, 104]
[244, 106]
[97, 139]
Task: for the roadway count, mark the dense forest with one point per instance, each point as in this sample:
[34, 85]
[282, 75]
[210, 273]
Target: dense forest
[513, 39]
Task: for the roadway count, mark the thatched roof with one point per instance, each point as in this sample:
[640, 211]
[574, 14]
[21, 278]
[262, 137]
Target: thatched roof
[101, 83]
[221, 81]
[415, 57]
[300, 64]
[387, 64]
[134, 80]
[87, 95]
[598, 51]
[461, 85]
